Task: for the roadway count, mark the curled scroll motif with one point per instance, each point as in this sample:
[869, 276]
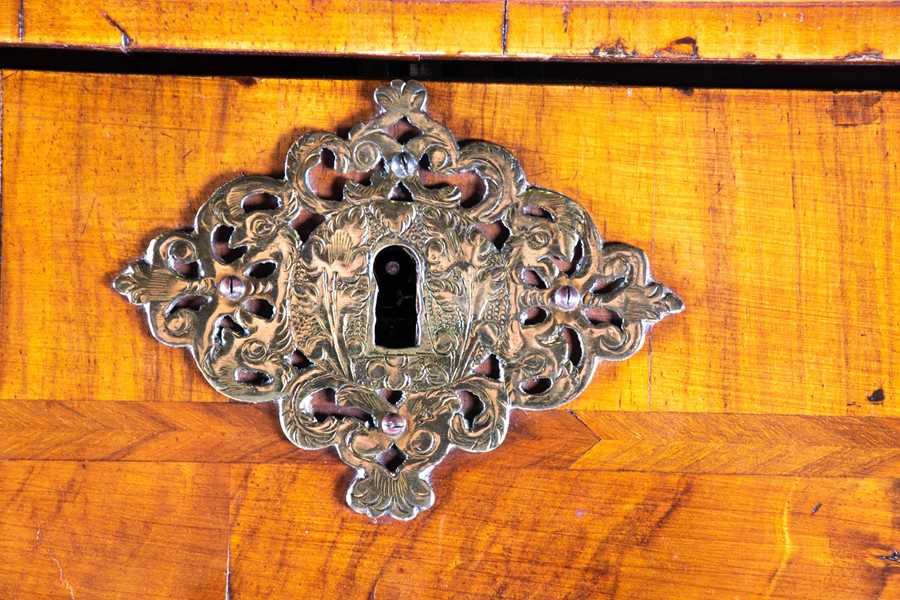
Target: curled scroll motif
[221, 288]
[516, 298]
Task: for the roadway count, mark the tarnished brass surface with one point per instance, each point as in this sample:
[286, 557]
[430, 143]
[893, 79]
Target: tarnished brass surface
[517, 299]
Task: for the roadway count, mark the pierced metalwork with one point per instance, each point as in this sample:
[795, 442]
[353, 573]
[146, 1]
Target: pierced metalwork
[517, 299]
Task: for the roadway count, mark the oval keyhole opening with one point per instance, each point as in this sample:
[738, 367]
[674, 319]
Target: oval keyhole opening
[396, 299]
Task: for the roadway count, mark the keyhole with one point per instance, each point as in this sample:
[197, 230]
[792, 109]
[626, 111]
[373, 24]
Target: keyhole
[396, 301]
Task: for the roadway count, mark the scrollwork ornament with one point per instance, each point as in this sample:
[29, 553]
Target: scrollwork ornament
[517, 299]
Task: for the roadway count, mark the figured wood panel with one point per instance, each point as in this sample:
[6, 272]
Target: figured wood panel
[772, 213]
[370, 27]
[799, 30]
[743, 453]
[549, 533]
[749, 30]
[112, 530]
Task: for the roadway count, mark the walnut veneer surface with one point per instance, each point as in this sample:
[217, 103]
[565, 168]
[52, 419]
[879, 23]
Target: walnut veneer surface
[750, 450]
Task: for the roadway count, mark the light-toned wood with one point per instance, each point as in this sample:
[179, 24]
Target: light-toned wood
[372, 27]
[800, 30]
[738, 455]
[744, 30]
[9, 21]
[112, 530]
[772, 213]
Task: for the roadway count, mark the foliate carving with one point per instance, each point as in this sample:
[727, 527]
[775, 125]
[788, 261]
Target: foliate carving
[517, 298]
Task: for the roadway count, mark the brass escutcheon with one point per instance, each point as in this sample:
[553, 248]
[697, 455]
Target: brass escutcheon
[404, 318]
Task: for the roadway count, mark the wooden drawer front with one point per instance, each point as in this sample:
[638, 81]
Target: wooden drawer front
[582, 30]
[750, 449]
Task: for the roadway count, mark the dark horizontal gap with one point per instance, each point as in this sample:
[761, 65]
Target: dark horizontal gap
[688, 74]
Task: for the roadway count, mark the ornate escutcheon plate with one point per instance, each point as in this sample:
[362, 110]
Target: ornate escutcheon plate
[406, 317]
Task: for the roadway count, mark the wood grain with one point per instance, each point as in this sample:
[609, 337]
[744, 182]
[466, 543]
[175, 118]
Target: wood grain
[369, 27]
[220, 433]
[112, 530]
[586, 440]
[767, 211]
[598, 30]
[549, 533]
[9, 22]
[743, 453]
[750, 30]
